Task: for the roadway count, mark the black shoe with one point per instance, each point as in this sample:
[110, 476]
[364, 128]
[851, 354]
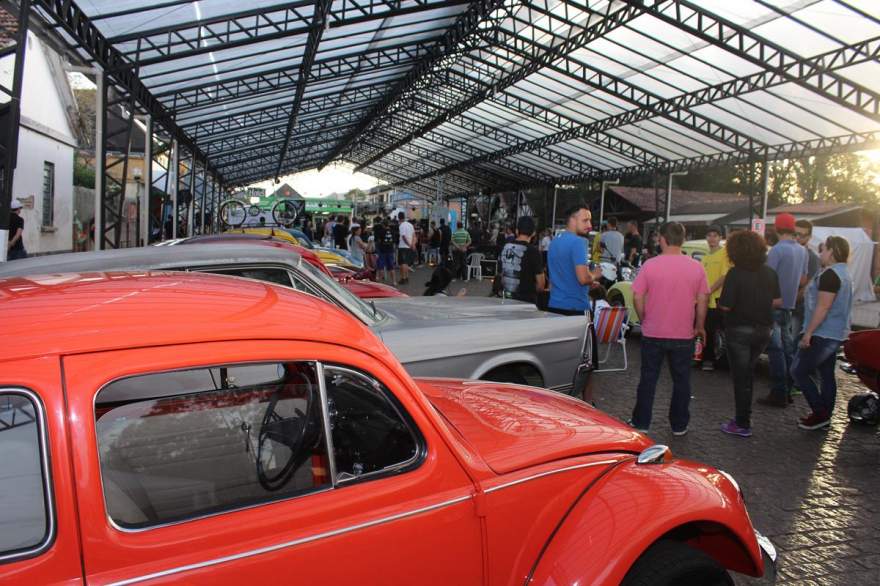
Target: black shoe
[771, 401]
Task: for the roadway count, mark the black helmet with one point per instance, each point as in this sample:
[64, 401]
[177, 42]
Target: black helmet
[864, 408]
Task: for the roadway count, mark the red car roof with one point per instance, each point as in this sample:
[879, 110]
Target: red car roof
[64, 314]
[307, 255]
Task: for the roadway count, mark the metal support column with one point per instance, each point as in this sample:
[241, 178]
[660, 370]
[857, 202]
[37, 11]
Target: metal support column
[605, 184]
[174, 184]
[659, 202]
[114, 153]
[10, 114]
[147, 177]
[98, 223]
[203, 199]
[668, 210]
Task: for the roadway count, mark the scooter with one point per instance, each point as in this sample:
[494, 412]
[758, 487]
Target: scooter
[862, 354]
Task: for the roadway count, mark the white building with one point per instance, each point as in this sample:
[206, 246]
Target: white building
[43, 179]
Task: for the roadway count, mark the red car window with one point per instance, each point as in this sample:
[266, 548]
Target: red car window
[186, 444]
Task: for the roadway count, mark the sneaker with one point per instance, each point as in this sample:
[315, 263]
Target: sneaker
[814, 421]
[795, 391]
[680, 432]
[708, 366]
[772, 401]
[632, 425]
[733, 429]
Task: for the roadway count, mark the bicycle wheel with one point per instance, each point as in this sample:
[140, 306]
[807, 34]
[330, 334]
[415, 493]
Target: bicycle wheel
[285, 212]
[232, 213]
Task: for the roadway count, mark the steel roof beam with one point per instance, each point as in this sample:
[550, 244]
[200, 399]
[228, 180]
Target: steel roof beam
[541, 57]
[221, 155]
[464, 26]
[831, 60]
[255, 135]
[354, 97]
[793, 150]
[168, 43]
[755, 49]
[403, 159]
[319, 22]
[620, 88]
[223, 158]
[284, 77]
[81, 29]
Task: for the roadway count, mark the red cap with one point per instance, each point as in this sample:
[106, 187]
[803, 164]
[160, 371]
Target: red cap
[784, 222]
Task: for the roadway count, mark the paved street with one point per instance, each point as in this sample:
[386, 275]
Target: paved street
[815, 494]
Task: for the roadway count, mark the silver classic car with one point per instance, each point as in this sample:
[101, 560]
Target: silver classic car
[462, 337]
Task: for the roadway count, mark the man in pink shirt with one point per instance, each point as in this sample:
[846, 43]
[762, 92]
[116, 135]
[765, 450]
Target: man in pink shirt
[670, 295]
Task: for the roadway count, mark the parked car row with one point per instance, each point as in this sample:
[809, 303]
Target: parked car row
[238, 413]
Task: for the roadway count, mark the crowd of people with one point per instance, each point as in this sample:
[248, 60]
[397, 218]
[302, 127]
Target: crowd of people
[784, 301]
[788, 300]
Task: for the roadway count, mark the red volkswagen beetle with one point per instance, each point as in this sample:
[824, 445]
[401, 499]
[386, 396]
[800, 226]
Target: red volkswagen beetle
[201, 429]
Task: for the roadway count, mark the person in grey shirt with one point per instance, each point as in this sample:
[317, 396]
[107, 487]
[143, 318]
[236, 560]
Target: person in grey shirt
[789, 260]
[803, 232]
[611, 242]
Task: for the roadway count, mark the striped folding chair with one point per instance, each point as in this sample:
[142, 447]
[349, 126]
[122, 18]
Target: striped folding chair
[611, 329]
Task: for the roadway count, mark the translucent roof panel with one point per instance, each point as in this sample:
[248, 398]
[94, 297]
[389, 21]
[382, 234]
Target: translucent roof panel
[490, 93]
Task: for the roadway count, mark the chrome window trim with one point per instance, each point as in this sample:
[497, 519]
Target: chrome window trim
[293, 542]
[421, 444]
[133, 530]
[548, 473]
[45, 467]
[325, 415]
[418, 438]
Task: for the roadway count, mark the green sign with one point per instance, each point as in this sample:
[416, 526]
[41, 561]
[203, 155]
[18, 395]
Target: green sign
[331, 206]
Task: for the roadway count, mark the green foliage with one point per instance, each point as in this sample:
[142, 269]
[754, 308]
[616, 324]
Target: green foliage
[83, 174]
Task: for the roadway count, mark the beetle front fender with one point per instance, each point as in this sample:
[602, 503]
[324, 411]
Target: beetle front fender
[635, 505]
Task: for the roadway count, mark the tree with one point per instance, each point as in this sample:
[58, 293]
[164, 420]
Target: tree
[83, 174]
[846, 177]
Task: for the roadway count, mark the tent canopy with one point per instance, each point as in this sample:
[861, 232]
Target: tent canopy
[490, 93]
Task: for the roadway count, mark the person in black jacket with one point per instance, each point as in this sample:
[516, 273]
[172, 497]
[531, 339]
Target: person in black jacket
[749, 295]
[445, 239]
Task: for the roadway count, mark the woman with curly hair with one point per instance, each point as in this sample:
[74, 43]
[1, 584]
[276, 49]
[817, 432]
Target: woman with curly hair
[827, 306]
[751, 291]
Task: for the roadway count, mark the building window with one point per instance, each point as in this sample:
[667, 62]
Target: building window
[48, 193]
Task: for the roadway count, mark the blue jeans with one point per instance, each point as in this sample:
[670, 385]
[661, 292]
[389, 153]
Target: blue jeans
[678, 354]
[816, 365]
[780, 351]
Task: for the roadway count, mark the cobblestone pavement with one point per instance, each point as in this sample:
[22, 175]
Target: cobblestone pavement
[816, 494]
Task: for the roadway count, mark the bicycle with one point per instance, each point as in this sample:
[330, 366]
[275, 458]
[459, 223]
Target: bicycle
[233, 213]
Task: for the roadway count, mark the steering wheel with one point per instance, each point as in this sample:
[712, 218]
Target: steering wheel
[287, 433]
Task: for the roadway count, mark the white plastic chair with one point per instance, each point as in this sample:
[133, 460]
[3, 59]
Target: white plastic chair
[475, 266]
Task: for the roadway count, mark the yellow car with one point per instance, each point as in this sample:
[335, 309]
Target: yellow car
[327, 257]
[621, 292]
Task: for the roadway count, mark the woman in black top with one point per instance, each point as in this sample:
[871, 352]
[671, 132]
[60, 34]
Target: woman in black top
[749, 294]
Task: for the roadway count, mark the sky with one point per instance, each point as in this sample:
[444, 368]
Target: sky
[334, 178]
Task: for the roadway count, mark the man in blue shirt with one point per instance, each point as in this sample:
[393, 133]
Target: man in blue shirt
[570, 277]
[789, 260]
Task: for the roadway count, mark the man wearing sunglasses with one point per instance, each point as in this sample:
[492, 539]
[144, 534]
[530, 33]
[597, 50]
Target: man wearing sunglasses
[803, 232]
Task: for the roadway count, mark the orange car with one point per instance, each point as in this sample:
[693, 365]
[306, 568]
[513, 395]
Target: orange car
[164, 428]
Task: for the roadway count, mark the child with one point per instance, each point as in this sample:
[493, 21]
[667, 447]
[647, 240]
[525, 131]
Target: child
[598, 298]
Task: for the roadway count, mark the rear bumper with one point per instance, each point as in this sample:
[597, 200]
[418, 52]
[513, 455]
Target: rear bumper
[768, 552]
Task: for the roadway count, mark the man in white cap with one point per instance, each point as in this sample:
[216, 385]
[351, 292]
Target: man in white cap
[15, 248]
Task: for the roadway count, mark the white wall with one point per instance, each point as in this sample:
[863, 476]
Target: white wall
[33, 150]
[44, 136]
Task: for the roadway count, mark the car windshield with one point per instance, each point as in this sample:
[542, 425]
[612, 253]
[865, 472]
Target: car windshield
[367, 312]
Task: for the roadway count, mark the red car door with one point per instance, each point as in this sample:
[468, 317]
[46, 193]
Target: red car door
[38, 533]
[211, 463]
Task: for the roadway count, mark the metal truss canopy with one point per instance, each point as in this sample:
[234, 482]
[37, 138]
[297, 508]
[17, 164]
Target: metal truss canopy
[480, 94]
